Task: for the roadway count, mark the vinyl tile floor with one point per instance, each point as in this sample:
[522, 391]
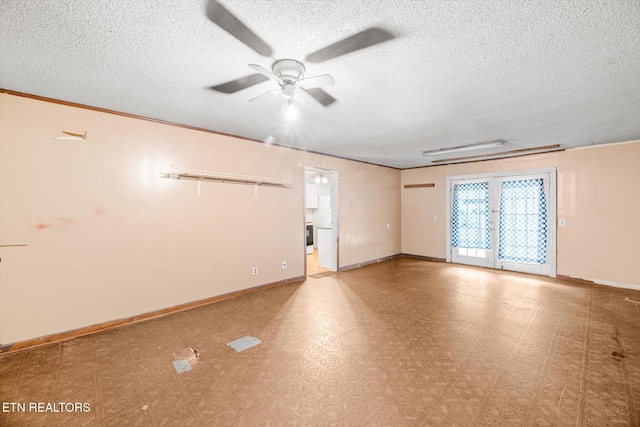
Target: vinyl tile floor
[400, 343]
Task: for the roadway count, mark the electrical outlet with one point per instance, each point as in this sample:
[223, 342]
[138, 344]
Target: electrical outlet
[284, 264]
[562, 222]
[255, 270]
[365, 219]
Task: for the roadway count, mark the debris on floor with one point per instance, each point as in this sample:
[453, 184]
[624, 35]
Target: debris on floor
[187, 354]
[183, 359]
[244, 343]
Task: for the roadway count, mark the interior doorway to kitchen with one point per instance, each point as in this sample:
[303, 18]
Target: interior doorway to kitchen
[321, 221]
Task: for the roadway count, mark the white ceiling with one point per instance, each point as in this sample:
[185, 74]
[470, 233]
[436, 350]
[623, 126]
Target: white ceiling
[456, 73]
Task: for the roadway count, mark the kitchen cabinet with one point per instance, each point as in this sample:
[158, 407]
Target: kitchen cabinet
[314, 192]
[311, 198]
[311, 202]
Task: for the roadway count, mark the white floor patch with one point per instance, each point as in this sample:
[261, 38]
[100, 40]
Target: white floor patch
[244, 343]
[181, 365]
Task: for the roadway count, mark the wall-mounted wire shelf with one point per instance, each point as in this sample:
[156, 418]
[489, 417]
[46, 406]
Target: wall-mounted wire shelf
[228, 178]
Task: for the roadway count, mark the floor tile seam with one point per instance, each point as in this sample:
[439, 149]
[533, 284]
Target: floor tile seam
[207, 420]
[145, 399]
[183, 386]
[26, 362]
[452, 383]
[272, 387]
[514, 352]
[632, 406]
[507, 422]
[494, 383]
[21, 381]
[128, 355]
[331, 403]
[582, 404]
[98, 398]
[546, 367]
[313, 386]
[253, 419]
[452, 420]
[57, 384]
[529, 323]
[105, 417]
[381, 409]
[496, 303]
[193, 410]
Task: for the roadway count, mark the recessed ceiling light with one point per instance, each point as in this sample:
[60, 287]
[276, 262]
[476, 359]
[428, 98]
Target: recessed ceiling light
[491, 144]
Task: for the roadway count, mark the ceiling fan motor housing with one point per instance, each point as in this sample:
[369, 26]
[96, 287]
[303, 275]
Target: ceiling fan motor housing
[289, 69]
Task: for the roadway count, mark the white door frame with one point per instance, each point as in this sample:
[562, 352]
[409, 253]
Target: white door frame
[333, 191]
[551, 211]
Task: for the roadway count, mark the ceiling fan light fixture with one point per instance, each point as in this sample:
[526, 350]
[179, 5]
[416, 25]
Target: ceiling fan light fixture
[490, 144]
[290, 111]
[321, 178]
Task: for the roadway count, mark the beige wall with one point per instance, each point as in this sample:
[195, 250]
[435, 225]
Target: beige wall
[89, 233]
[598, 191]
[102, 237]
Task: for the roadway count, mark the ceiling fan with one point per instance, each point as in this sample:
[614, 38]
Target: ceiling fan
[288, 73]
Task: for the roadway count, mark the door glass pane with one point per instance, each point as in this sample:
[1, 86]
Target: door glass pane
[523, 221]
[470, 217]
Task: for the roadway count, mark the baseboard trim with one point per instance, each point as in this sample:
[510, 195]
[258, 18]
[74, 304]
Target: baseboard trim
[424, 258]
[64, 336]
[598, 282]
[365, 263]
[400, 255]
[573, 279]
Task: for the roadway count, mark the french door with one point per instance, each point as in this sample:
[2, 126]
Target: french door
[504, 221]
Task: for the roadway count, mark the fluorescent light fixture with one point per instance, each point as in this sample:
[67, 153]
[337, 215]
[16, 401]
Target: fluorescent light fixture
[491, 144]
[501, 155]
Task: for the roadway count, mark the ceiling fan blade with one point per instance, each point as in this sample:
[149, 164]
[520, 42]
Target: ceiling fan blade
[305, 99]
[224, 19]
[239, 84]
[317, 81]
[265, 72]
[264, 95]
[369, 37]
[320, 96]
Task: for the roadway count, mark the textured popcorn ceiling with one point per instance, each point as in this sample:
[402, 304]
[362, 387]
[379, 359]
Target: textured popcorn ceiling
[456, 73]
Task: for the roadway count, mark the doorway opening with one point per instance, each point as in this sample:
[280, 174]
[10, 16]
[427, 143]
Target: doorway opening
[321, 222]
[504, 220]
